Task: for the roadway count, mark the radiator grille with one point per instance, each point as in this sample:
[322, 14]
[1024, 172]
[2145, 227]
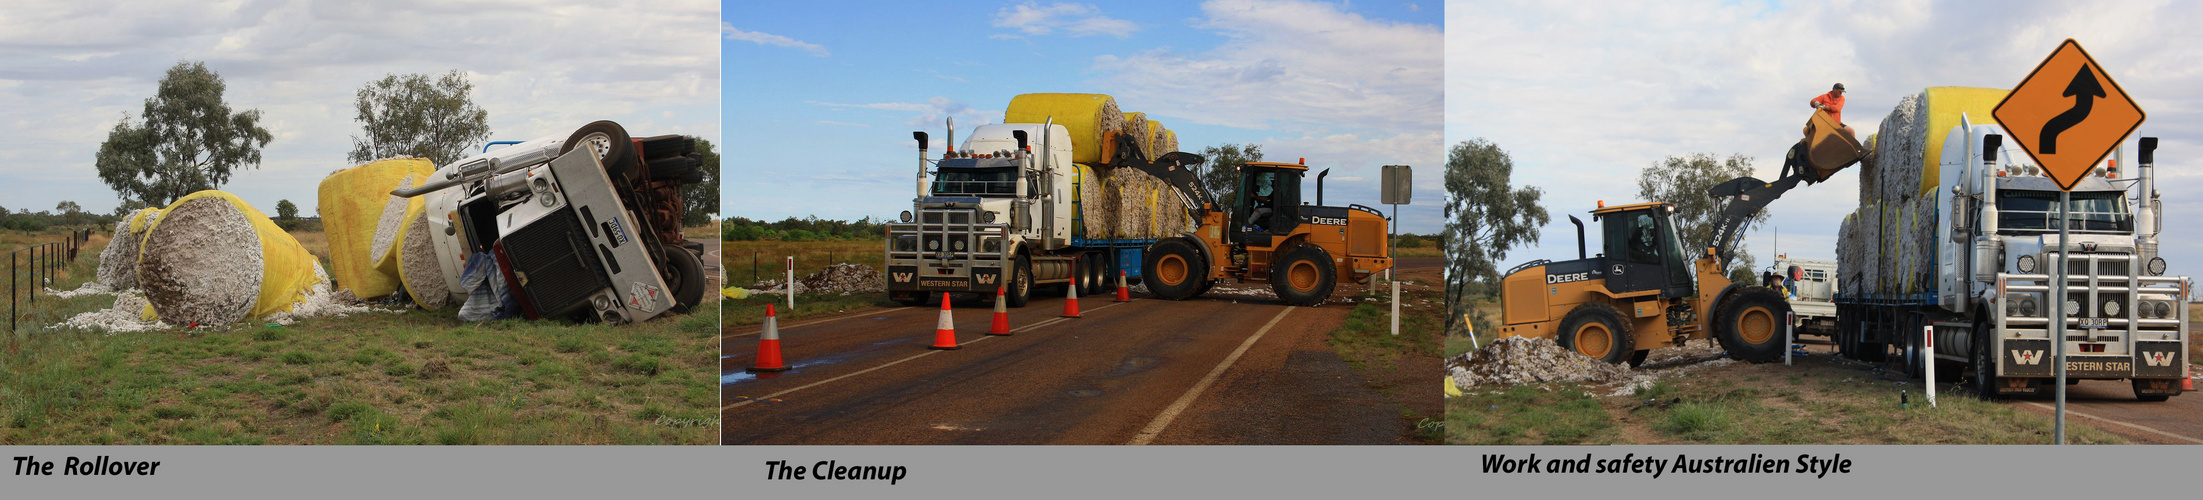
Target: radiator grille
[560, 265]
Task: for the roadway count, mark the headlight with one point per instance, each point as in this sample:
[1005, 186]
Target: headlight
[2164, 310]
[990, 245]
[2028, 307]
[2111, 308]
[986, 217]
[957, 244]
[906, 243]
[2156, 266]
[907, 217]
[2072, 307]
[2025, 263]
[933, 245]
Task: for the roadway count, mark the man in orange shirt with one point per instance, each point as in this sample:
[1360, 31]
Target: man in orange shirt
[1832, 102]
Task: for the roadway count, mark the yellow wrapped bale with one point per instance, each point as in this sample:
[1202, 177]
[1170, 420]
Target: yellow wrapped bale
[212, 259]
[1096, 204]
[361, 220]
[1085, 116]
[1944, 105]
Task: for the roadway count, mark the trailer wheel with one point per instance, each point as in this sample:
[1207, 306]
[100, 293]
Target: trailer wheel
[1598, 331]
[611, 144]
[1750, 325]
[1984, 361]
[1304, 277]
[1021, 283]
[685, 275]
[1173, 270]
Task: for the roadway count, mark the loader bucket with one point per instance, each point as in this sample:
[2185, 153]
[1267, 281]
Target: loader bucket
[1830, 146]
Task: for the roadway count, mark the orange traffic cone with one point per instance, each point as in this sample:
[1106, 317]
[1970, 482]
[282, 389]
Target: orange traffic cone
[1001, 312]
[1124, 293]
[2187, 384]
[768, 346]
[1071, 297]
[944, 334]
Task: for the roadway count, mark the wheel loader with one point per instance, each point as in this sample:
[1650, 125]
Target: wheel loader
[1648, 289]
[1269, 236]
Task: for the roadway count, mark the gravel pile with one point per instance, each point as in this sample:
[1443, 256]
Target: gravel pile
[201, 265]
[1519, 360]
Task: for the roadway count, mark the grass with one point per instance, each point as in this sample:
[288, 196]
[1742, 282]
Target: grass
[1365, 341]
[748, 262]
[1564, 414]
[417, 377]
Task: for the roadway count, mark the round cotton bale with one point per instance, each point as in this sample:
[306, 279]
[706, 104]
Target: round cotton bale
[418, 268]
[1135, 126]
[212, 259]
[1097, 206]
[1085, 116]
[118, 263]
[1155, 146]
[361, 220]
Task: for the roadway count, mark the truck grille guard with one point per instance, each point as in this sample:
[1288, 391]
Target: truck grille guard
[2089, 284]
[937, 232]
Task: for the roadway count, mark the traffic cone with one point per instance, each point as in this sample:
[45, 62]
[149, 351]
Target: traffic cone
[944, 334]
[1001, 312]
[768, 346]
[1124, 293]
[2187, 384]
[1071, 297]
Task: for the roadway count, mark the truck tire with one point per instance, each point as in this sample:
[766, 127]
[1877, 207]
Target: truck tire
[1174, 270]
[1020, 283]
[661, 146]
[1750, 325]
[1304, 277]
[1597, 330]
[685, 275]
[1984, 364]
[2152, 398]
[614, 150]
[672, 166]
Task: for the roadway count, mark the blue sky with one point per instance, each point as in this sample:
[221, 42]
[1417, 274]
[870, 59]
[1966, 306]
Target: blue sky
[1585, 96]
[821, 97]
[75, 68]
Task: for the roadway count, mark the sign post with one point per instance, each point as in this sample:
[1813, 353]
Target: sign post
[1396, 190]
[2067, 115]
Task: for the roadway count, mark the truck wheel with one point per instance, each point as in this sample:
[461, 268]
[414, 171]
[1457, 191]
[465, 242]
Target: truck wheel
[1089, 274]
[613, 148]
[672, 167]
[1174, 270]
[1021, 283]
[1598, 331]
[2138, 396]
[662, 146]
[1304, 277]
[685, 275]
[1984, 364]
[1750, 325]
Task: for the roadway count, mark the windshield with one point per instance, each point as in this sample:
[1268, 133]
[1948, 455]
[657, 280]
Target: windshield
[975, 181]
[2032, 211]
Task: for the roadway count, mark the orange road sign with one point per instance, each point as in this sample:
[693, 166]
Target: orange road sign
[2068, 114]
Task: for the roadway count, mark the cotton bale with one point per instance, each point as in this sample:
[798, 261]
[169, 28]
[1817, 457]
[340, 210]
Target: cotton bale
[1085, 116]
[213, 259]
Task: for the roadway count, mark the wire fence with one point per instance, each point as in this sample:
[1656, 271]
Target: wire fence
[33, 268]
[746, 269]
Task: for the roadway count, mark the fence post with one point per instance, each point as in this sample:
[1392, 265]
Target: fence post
[11, 291]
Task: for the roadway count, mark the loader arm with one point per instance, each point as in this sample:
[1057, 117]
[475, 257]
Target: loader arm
[1828, 148]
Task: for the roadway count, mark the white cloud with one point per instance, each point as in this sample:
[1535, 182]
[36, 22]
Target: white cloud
[733, 33]
[1073, 19]
[931, 113]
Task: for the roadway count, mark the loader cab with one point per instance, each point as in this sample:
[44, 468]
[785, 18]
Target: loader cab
[1268, 204]
[1643, 252]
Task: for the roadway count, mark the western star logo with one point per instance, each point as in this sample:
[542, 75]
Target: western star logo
[986, 279]
[2159, 358]
[902, 277]
[2027, 357]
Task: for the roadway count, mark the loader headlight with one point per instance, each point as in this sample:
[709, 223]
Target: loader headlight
[2025, 263]
[2156, 266]
[907, 217]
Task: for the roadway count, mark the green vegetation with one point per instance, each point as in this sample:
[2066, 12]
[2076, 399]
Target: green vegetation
[1529, 415]
[806, 229]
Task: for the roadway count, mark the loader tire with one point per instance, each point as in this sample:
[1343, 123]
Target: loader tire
[685, 275]
[1304, 277]
[1174, 270]
[1750, 325]
[613, 148]
[1598, 331]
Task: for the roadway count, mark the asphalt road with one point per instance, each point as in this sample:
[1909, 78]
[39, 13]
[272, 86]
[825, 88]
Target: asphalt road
[1213, 370]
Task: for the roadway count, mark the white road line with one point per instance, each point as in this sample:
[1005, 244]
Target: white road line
[1155, 427]
[2136, 426]
[1025, 328]
[809, 323]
